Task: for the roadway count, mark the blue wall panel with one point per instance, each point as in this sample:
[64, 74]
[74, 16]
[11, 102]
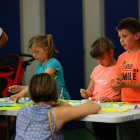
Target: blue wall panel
[115, 11]
[10, 23]
[64, 22]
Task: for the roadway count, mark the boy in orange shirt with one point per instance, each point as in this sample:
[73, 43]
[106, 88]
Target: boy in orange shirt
[128, 64]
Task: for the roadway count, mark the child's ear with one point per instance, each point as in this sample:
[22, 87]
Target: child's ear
[46, 50]
[137, 35]
[111, 52]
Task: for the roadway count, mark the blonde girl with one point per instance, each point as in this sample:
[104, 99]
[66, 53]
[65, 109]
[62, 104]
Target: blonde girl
[43, 49]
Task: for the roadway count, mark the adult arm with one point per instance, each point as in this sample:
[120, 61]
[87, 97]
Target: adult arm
[3, 39]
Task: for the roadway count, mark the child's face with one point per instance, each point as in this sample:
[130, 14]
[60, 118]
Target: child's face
[127, 39]
[106, 58]
[39, 54]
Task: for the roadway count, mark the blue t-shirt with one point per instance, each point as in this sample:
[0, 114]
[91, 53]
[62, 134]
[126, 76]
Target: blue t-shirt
[32, 124]
[58, 75]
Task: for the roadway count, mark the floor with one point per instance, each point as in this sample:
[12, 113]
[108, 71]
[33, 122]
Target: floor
[79, 134]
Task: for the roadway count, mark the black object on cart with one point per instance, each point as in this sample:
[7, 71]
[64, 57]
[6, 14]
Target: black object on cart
[12, 68]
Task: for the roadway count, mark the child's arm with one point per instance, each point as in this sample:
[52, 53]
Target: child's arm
[23, 90]
[50, 71]
[114, 99]
[68, 113]
[122, 84]
[16, 88]
[88, 91]
[20, 94]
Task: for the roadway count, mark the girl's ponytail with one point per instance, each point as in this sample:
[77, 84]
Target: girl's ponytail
[51, 48]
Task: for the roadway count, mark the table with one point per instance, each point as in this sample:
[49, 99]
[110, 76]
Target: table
[113, 117]
[106, 117]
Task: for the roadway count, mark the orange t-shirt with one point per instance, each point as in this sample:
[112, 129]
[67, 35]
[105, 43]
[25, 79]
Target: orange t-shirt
[102, 77]
[128, 66]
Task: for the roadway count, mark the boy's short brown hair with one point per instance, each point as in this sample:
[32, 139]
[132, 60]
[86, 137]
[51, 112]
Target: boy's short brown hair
[131, 24]
[99, 46]
[43, 88]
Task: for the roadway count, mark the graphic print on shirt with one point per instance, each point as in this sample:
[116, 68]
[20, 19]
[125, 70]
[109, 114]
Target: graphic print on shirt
[55, 76]
[129, 73]
[101, 80]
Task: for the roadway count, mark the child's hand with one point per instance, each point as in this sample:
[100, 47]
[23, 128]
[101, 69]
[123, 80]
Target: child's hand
[14, 89]
[83, 91]
[16, 96]
[104, 99]
[118, 79]
[117, 86]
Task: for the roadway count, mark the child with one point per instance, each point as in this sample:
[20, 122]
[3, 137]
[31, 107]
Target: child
[128, 64]
[43, 50]
[103, 74]
[101, 77]
[128, 71]
[32, 121]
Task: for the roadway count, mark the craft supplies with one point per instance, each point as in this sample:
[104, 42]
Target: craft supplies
[86, 94]
[90, 99]
[12, 90]
[98, 101]
[61, 96]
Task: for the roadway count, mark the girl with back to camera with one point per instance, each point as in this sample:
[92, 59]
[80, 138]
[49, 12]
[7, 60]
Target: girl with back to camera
[103, 74]
[33, 121]
[43, 49]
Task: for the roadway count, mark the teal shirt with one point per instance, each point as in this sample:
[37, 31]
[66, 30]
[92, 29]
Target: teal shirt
[58, 75]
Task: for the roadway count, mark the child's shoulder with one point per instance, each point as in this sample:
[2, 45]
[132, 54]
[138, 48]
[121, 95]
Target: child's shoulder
[98, 68]
[53, 60]
[123, 54]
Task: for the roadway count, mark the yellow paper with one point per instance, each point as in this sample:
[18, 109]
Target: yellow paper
[113, 110]
[13, 106]
[9, 108]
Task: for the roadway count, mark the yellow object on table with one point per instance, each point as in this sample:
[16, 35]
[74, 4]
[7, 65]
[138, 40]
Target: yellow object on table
[14, 106]
[114, 109]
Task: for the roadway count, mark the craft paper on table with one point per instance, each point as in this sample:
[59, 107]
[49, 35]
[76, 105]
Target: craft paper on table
[71, 102]
[5, 104]
[10, 106]
[112, 104]
[113, 110]
[129, 106]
